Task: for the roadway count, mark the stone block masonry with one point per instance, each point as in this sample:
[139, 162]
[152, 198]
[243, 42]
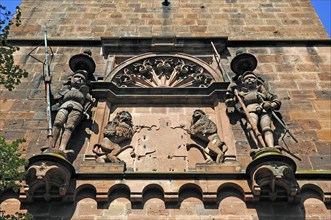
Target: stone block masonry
[239, 19]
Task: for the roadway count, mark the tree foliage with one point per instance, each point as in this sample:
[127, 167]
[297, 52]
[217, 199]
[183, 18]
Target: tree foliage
[10, 74]
[12, 171]
[17, 216]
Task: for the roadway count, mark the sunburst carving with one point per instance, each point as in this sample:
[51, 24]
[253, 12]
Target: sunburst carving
[163, 71]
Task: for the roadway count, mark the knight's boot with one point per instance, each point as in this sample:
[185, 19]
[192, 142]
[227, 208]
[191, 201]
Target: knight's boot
[269, 138]
[56, 134]
[65, 139]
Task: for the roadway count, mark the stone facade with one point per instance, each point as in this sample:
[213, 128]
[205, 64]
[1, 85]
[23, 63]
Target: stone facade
[293, 53]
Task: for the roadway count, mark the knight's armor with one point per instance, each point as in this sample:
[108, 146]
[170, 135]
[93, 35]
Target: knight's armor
[254, 99]
[73, 99]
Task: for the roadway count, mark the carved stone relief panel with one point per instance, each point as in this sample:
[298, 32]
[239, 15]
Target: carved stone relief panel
[162, 93]
[162, 141]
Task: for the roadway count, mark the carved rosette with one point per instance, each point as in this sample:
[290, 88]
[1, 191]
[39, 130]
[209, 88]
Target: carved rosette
[48, 176]
[163, 71]
[273, 176]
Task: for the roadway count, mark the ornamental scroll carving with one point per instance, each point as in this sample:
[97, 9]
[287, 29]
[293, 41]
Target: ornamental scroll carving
[163, 71]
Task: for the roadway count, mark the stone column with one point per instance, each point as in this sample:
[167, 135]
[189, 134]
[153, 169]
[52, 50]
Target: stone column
[225, 130]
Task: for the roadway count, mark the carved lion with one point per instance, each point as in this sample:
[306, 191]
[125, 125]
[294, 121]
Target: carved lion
[203, 128]
[118, 130]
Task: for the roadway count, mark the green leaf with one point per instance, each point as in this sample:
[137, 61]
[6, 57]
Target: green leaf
[10, 74]
[12, 170]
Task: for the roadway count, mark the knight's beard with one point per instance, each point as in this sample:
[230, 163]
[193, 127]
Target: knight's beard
[251, 85]
[76, 85]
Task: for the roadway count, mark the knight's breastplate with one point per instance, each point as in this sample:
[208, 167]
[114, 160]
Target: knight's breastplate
[251, 97]
[74, 95]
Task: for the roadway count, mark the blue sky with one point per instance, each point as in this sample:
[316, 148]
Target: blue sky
[323, 8]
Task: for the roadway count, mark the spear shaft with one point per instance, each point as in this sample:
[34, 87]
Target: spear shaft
[48, 90]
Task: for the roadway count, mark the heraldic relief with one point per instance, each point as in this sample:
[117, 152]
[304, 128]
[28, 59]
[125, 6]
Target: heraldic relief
[162, 113]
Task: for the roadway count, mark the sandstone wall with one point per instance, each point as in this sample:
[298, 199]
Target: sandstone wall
[237, 19]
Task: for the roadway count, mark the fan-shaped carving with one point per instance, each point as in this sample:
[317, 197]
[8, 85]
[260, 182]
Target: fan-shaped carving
[163, 71]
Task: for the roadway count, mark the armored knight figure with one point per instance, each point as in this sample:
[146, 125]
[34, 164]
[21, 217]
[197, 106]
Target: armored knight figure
[74, 102]
[259, 102]
[118, 130]
[203, 128]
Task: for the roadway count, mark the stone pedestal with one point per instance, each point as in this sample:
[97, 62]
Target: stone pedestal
[272, 175]
[49, 176]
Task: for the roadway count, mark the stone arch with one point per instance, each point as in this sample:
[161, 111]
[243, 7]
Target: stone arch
[190, 190]
[315, 207]
[312, 191]
[190, 198]
[163, 70]
[231, 193]
[153, 200]
[153, 191]
[230, 190]
[119, 191]
[85, 191]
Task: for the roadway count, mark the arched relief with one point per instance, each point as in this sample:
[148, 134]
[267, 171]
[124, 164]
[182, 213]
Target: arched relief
[163, 70]
[119, 187]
